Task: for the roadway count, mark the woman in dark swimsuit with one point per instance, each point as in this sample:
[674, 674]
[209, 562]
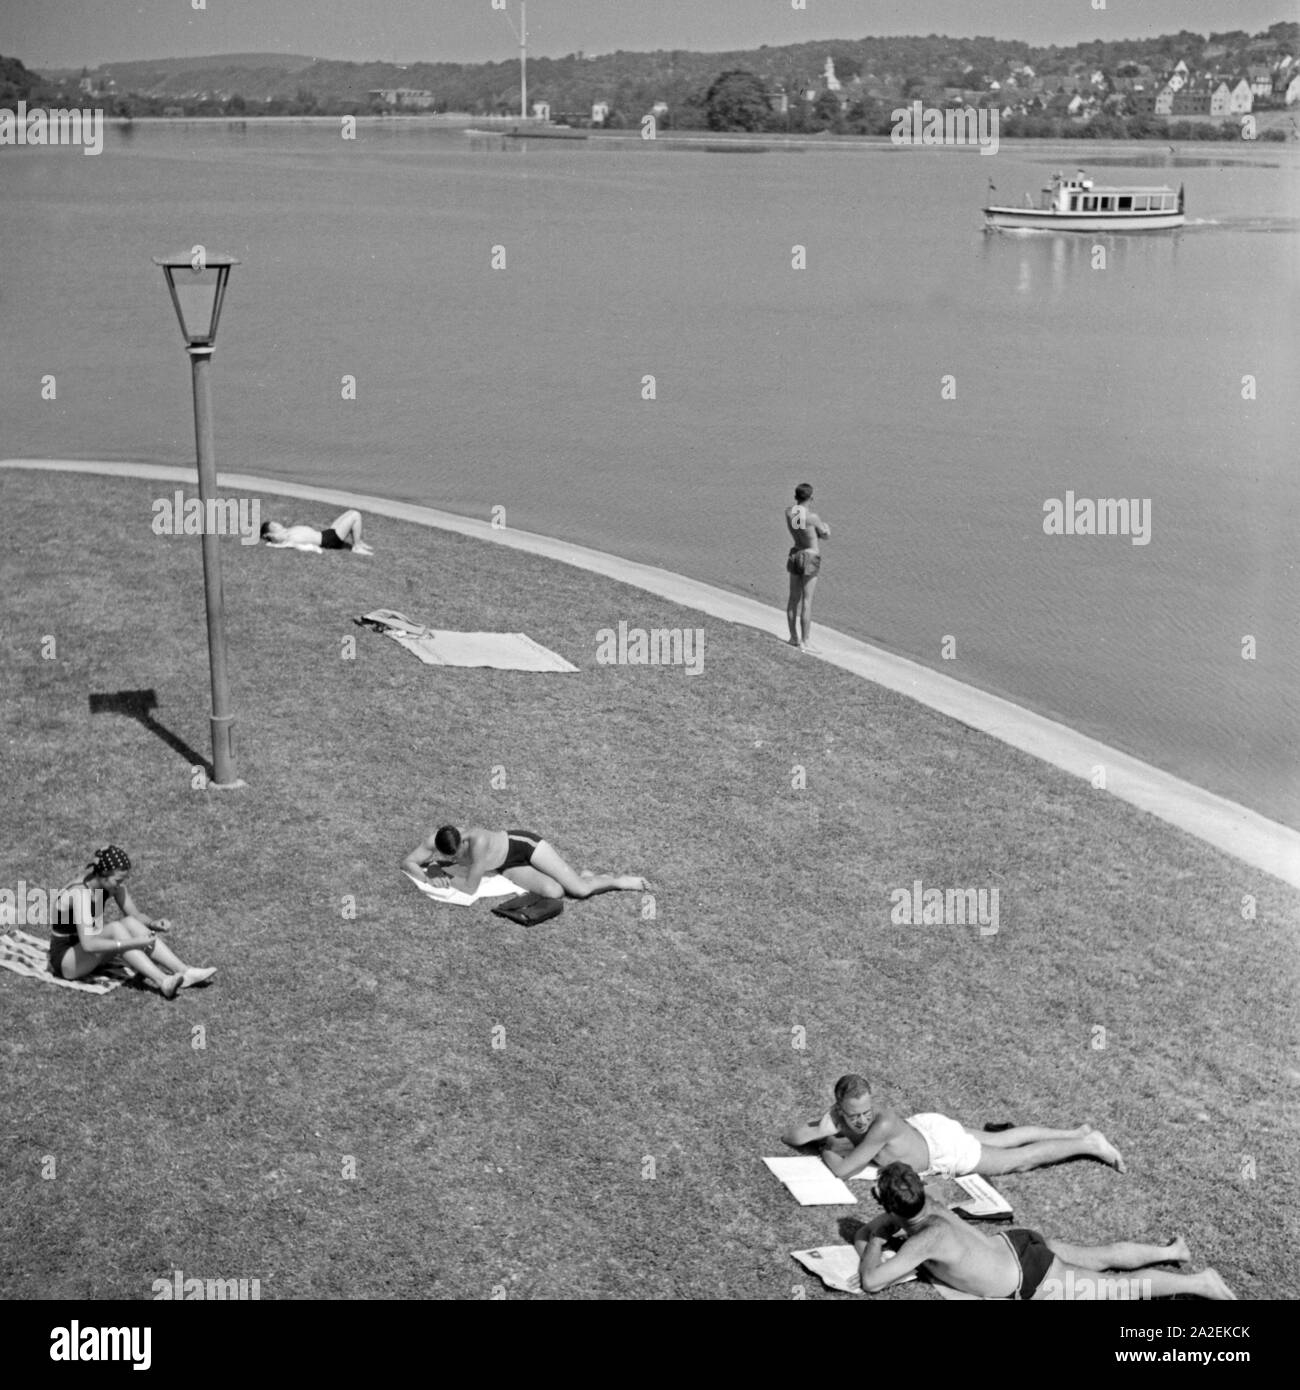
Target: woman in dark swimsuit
[521, 855]
[80, 942]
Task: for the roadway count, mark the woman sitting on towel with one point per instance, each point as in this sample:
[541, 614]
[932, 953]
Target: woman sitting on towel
[80, 943]
[467, 857]
[343, 533]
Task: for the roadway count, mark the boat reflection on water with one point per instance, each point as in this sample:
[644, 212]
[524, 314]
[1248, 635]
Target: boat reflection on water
[1048, 263]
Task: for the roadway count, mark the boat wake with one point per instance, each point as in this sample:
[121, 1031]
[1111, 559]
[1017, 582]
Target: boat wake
[1243, 224]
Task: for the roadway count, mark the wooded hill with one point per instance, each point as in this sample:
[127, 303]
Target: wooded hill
[877, 69]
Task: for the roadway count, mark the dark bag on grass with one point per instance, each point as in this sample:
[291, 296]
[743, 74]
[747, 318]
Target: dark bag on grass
[528, 909]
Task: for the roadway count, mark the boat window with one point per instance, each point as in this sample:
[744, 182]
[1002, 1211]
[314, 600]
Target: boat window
[1090, 204]
[1167, 201]
[1125, 204]
[1107, 204]
[1141, 204]
[1074, 203]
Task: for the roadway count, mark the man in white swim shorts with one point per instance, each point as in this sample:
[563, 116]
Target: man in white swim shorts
[853, 1134]
[954, 1151]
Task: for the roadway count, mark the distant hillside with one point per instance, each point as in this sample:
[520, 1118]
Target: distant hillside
[799, 91]
[140, 73]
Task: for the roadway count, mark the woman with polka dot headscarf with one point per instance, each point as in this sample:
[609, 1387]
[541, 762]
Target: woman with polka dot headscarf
[81, 942]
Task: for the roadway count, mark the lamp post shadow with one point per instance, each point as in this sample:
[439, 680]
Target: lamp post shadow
[140, 704]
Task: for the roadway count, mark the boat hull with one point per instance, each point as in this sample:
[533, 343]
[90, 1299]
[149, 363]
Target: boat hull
[545, 134]
[1022, 218]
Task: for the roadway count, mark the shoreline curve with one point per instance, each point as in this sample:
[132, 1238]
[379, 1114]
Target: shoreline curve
[1237, 830]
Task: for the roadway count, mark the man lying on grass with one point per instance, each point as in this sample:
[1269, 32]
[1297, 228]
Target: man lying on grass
[1013, 1264]
[467, 857]
[854, 1135]
[343, 533]
[80, 942]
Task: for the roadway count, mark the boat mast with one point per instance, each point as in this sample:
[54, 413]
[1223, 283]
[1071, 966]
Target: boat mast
[523, 53]
[523, 63]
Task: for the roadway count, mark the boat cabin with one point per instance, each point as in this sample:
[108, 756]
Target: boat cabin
[1079, 194]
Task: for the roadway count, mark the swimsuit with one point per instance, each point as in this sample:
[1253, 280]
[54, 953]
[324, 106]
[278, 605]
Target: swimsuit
[329, 540]
[954, 1151]
[521, 845]
[805, 562]
[63, 930]
[59, 946]
[1033, 1256]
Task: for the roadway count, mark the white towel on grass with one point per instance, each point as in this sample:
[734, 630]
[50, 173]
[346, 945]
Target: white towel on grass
[295, 545]
[505, 651]
[492, 886]
[27, 955]
[837, 1266]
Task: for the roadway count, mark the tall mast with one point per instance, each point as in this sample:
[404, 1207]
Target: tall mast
[523, 62]
[523, 55]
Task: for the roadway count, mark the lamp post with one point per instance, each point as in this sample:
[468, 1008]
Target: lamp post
[197, 283]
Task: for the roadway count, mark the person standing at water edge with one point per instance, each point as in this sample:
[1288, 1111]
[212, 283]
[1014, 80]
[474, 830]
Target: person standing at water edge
[803, 564]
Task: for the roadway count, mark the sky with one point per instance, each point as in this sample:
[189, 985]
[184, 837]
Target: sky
[72, 33]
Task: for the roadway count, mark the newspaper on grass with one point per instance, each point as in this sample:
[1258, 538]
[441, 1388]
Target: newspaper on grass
[812, 1184]
[985, 1201]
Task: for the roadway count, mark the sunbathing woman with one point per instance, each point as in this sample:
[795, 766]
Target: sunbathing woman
[343, 533]
[80, 942]
[468, 856]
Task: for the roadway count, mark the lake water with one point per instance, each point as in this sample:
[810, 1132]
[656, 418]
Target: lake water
[522, 387]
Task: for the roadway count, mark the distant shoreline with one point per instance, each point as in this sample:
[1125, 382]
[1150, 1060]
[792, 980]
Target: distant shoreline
[505, 125]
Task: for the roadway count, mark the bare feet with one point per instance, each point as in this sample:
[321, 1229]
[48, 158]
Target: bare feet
[361, 548]
[171, 984]
[795, 643]
[1178, 1251]
[197, 975]
[1212, 1286]
[1105, 1150]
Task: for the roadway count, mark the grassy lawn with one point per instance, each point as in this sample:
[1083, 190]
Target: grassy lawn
[333, 1044]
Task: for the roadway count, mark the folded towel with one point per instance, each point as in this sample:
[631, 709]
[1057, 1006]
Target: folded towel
[492, 886]
[387, 620]
[27, 955]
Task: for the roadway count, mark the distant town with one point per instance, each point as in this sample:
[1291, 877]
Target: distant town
[1185, 85]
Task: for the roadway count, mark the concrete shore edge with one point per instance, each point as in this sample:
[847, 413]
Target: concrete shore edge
[1235, 829]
